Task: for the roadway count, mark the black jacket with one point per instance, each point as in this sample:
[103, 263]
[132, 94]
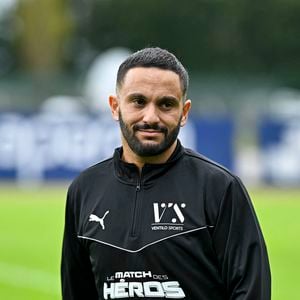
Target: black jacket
[185, 229]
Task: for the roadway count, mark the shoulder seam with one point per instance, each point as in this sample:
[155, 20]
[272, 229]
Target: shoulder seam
[209, 161]
[95, 165]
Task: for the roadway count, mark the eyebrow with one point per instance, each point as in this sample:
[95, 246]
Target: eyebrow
[136, 95]
[163, 98]
[169, 98]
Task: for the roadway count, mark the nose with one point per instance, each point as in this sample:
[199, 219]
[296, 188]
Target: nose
[150, 114]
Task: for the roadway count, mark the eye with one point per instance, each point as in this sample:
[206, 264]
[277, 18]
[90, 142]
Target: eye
[138, 101]
[168, 104]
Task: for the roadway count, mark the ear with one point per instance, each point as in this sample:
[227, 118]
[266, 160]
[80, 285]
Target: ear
[114, 107]
[185, 112]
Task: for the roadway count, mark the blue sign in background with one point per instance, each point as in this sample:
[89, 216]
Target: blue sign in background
[215, 139]
[53, 147]
[279, 143]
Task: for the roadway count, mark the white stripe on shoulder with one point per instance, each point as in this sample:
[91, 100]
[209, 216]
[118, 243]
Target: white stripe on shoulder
[147, 245]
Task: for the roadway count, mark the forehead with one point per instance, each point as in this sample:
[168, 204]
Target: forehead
[142, 79]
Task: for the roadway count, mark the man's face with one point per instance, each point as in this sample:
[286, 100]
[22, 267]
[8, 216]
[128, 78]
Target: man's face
[150, 110]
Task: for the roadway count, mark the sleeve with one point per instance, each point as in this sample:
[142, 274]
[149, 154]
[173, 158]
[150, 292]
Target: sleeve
[77, 279]
[240, 247]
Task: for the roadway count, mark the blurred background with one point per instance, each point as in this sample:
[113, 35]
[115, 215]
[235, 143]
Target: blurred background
[58, 60]
[58, 63]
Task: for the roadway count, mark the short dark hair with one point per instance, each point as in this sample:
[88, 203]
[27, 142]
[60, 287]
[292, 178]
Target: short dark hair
[157, 58]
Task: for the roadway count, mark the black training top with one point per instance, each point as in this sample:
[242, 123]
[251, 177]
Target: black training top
[184, 229]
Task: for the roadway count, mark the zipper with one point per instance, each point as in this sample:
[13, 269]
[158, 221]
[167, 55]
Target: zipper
[136, 209]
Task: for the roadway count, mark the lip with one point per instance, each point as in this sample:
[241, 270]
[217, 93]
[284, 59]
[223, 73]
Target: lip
[150, 132]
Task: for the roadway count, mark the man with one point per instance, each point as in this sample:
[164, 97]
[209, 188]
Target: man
[157, 220]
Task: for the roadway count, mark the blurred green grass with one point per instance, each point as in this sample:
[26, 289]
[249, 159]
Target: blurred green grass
[279, 213]
[31, 227]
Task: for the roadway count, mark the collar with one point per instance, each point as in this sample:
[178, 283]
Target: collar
[129, 173]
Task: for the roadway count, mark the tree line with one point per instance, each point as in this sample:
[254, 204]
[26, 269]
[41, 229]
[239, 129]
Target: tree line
[208, 35]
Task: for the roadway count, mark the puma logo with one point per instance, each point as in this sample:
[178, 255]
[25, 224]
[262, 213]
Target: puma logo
[94, 218]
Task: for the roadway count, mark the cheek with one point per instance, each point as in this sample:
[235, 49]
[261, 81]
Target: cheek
[172, 120]
[129, 118]
[130, 115]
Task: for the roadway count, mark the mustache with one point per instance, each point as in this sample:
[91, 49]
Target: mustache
[155, 127]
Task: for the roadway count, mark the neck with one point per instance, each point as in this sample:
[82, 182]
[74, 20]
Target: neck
[131, 157]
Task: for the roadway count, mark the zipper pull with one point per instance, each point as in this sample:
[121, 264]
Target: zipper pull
[138, 187]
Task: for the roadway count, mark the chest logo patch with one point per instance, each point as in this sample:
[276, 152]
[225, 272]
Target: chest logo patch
[168, 216]
[94, 218]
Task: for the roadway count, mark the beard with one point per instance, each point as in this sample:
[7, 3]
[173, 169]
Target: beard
[145, 149]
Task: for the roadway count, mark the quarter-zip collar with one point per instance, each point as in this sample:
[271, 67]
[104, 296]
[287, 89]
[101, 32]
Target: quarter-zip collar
[129, 172]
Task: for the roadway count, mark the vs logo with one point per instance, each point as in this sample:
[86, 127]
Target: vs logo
[171, 211]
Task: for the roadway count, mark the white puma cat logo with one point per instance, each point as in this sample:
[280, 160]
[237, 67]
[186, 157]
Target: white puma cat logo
[94, 218]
